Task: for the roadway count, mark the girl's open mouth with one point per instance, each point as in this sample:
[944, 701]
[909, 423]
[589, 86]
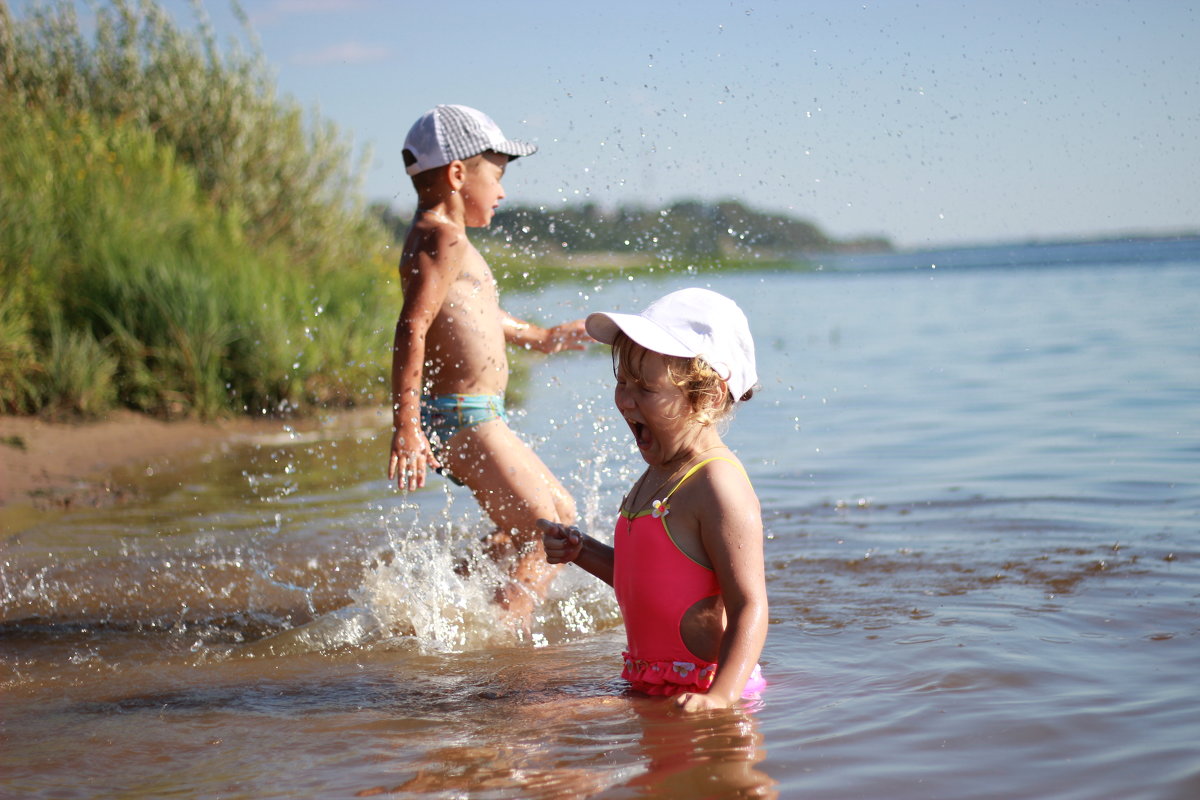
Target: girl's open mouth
[641, 434]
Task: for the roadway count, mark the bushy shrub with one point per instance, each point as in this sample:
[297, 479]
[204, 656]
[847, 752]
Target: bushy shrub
[166, 215]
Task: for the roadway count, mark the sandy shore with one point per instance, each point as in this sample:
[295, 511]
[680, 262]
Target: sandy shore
[51, 465]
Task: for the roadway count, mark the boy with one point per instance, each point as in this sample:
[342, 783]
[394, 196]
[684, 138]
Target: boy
[449, 366]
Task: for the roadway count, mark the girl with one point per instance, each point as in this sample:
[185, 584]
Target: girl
[687, 560]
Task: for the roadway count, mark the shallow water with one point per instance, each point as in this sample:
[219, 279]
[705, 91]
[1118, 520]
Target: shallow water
[982, 503]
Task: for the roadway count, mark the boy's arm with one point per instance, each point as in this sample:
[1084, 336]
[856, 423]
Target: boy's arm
[567, 336]
[426, 276]
[731, 529]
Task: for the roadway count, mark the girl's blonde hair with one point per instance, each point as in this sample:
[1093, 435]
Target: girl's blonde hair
[706, 392]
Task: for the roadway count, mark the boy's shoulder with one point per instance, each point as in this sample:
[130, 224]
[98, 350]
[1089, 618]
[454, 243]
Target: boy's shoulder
[431, 240]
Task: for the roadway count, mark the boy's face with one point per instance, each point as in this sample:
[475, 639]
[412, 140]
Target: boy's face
[481, 189]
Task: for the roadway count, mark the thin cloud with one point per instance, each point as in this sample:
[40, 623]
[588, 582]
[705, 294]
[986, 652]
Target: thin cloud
[316, 6]
[280, 10]
[343, 53]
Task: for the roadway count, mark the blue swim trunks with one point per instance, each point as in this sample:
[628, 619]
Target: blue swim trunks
[447, 414]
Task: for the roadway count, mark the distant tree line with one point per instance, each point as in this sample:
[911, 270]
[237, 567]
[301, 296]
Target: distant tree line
[686, 228]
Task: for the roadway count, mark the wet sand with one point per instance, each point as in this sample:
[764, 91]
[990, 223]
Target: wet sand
[65, 465]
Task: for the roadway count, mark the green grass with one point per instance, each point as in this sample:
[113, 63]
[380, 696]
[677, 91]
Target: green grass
[176, 238]
[16, 442]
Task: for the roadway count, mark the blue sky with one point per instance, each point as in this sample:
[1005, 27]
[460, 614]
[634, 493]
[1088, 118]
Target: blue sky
[929, 122]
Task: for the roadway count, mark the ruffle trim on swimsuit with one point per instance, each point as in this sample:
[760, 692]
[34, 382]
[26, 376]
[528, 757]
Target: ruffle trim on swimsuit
[666, 678]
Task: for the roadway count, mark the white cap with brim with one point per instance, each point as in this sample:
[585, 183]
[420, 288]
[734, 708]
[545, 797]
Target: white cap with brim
[689, 323]
[454, 133]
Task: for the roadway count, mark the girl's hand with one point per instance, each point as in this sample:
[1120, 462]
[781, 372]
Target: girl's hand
[563, 543]
[693, 701]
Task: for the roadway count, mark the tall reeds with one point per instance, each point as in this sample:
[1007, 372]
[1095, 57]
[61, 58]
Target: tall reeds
[176, 238]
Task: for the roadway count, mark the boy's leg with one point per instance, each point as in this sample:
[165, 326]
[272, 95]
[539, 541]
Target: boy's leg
[515, 489]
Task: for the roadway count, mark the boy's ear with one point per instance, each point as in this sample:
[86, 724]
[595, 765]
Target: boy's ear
[456, 174]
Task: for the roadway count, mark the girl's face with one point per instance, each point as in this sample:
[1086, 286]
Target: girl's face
[656, 410]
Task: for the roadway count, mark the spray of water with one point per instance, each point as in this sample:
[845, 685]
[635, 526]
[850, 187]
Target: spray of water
[434, 586]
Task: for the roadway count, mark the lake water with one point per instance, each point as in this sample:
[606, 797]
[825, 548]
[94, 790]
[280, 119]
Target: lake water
[981, 492]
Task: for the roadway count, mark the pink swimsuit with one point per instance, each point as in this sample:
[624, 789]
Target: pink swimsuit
[655, 584]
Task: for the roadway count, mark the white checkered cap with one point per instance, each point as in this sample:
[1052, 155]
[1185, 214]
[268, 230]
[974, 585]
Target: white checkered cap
[690, 322]
[454, 133]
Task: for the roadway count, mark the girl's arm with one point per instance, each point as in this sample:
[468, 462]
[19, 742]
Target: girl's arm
[565, 543]
[731, 530]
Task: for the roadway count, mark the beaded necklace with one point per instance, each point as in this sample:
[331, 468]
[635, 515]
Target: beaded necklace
[637, 487]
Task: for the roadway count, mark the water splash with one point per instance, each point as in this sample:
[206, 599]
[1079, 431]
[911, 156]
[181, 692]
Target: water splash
[435, 589]
[438, 589]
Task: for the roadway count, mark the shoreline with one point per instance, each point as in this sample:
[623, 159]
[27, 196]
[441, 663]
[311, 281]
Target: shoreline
[60, 466]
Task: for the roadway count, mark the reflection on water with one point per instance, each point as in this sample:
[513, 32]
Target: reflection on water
[634, 745]
[421, 723]
[981, 504]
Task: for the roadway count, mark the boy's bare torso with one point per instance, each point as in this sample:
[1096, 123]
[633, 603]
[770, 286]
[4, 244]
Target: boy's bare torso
[465, 345]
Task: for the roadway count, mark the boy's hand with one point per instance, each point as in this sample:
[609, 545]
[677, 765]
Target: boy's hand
[563, 544]
[408, 463]
[567, 336]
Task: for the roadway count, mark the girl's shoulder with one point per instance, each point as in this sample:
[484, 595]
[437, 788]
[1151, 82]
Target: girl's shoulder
[722, 482]
[724, 467]
[714, 512]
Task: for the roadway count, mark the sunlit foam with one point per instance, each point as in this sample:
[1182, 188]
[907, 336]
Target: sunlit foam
[440, 588]
[437, 590]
